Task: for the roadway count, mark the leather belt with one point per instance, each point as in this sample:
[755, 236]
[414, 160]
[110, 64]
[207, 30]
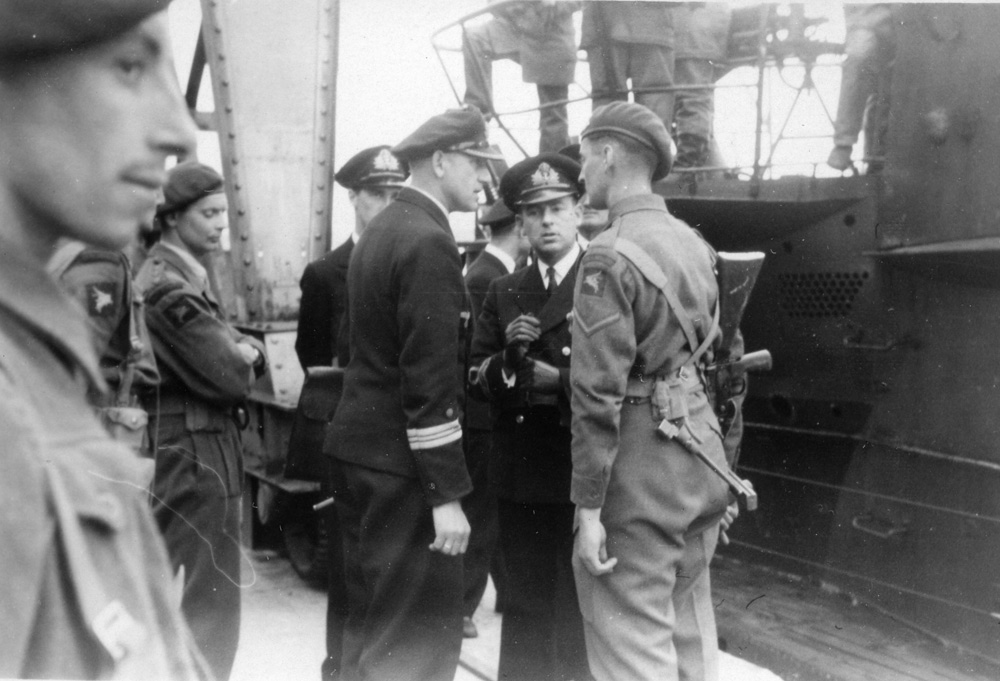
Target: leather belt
[639, 389]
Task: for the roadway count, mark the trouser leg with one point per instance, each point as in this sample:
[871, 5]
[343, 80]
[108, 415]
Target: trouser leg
[858, 83]
[200, 522]
[652, 66]
[411, 596]
[478, 59]
[480, 508]
[693, 112]
[541, 636]
[553, 123]
[607, 73]
[336, 604]
[695, 637]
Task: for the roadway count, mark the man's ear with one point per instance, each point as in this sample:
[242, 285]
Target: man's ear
[352, 196]
[438, 162]
[519, 225]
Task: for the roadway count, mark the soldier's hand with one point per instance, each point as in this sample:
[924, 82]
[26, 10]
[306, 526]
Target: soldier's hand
[524, 329]
[451, 529]
[591, 542]
[249, 352]
[728, 518]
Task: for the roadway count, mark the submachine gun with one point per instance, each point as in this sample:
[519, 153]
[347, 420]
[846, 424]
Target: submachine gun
[726, 376]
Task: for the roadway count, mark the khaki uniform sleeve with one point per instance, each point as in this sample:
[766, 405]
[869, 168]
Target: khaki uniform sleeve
[199, 348]
[604, 351]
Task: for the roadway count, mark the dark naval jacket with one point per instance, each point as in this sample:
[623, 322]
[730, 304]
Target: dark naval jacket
[324, 301]
[483, 270]
[531, 435]
[400, 410]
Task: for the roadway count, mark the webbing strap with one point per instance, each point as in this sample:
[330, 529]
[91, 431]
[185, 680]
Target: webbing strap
[654, 273]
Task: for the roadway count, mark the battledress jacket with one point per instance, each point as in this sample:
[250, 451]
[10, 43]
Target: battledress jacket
[400, 409]
[324, 301]
[87, 586]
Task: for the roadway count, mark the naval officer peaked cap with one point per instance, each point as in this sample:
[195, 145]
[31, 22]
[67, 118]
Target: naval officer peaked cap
[186, 183]
[39, 27]
[637, 123]
[458, 130]
[540, 178]
[373, 167]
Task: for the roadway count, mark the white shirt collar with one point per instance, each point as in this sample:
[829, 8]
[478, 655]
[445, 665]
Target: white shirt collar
[498, 253]
[189, 260]
[562, 267]
[582, 241]
[436, 202]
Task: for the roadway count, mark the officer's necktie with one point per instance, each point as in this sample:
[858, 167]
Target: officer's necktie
[551, 274]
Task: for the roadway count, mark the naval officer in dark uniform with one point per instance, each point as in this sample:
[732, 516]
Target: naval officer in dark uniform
[207, 368]
[521, 356]
[373, 178]
[90, 109]
[643, 323]
[396, 439]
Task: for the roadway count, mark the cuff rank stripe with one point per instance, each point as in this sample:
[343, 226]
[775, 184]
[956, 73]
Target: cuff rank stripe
[434, 436]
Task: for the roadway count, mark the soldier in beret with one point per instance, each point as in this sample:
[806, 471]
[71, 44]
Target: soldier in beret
[643, 324]
[207, 368]
[520, 357]
[396, 436]
[90, 109]
[373, 178]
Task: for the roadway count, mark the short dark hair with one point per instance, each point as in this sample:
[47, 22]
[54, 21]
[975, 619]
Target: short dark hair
[629, 146]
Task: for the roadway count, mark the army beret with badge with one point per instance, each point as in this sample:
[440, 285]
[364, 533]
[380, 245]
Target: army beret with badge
[186, 183]
[32, 28]
[637, 123]
[373, 167]
[540, 178]
[456, 130]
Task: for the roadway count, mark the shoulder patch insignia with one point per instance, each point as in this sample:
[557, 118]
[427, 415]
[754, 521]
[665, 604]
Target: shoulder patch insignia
[101, 300]
[180, 312]
[594, 279]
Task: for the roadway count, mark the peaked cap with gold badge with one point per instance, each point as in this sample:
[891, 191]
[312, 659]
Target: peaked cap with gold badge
[456, 130]
[540, 178]
[373, 167]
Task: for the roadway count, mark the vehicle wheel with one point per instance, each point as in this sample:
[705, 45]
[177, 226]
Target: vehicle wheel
[306, 540]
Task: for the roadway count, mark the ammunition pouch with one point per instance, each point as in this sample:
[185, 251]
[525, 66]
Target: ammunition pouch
[667, 395]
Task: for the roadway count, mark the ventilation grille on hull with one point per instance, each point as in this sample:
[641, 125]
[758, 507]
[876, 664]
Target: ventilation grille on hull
[819, 294]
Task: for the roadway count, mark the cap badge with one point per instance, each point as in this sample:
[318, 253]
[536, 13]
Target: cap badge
[544, 176]
[386, 161]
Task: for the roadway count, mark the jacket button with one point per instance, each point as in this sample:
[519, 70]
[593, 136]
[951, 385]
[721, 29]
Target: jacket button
[519, 418]
[449, 412]
[432, 486]
[566, 351]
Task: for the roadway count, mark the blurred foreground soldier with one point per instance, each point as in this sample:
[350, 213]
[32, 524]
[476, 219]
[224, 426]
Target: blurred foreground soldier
[399, 471]
[101, 282]
[90, 110]
[207, 368]
[373, 178]
[643, 322]
[701, 31]
[520, 358]
[506, 248]
[869, 48]
[540, 37]
[630, 40]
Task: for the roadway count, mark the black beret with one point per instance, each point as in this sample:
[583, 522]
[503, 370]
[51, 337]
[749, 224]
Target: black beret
[497, 216]
[637, 123]
[186, 183]
[461, 130]
[37, 27]
[540, 178]
[373, 167]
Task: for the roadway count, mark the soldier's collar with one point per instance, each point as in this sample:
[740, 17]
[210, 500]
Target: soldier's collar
[28, 292]
[638, 202]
